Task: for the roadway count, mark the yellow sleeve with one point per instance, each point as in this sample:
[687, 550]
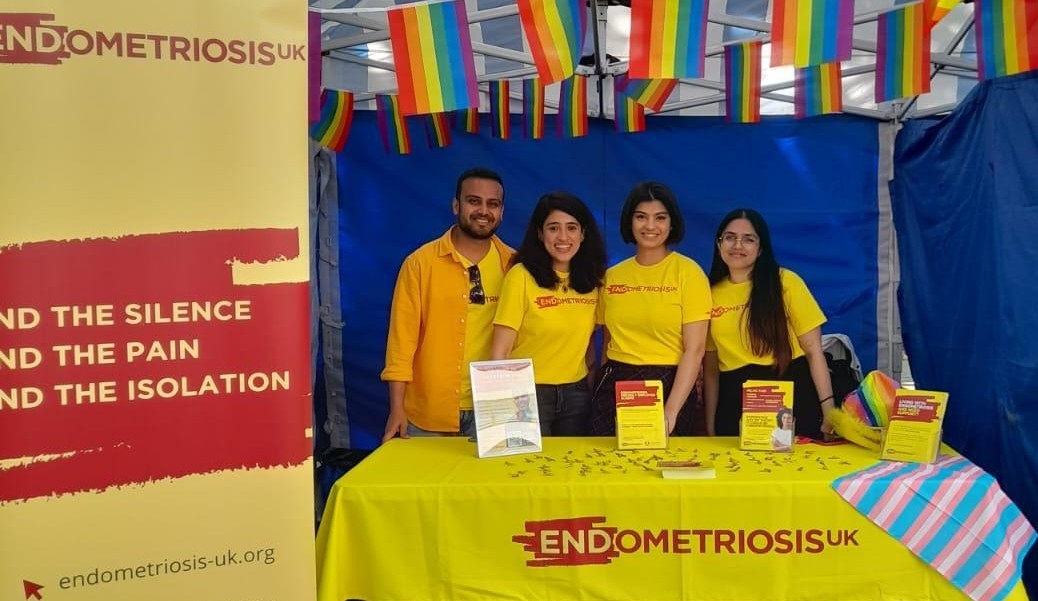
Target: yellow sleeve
[696, 300]
[405, 323]
[803, 311]
[512, 305]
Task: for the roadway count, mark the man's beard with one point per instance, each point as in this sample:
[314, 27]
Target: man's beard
[468, 231]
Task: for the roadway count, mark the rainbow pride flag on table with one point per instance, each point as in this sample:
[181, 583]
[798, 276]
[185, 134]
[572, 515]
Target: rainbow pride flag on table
[333, 126]
[573, 107]
[742, 64]
[628, 115]
[651, 93]
[533, 109]
[432, 53]
[818, 90]
[1007, 37]
[500, 121]
[467, 120]
[392, 125]
[437, 130]
[811, 32]
[902, 53]
[668, 39]
[952, 515]
[554, 30]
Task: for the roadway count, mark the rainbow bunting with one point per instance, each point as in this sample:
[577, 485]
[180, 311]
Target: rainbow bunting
[333, 127]
[313, 65]
[668, 38]
[500, 116]
[818, 90]
[432, 53]
[437, 130]
[629, 116]
[533, 109]
[937, 9]
[742, 65]
[467, 120]
[805, 33]
[392, 125]
[651, 93]
[1007, 37]
[554, 30]
[902, 53]
[573, 107]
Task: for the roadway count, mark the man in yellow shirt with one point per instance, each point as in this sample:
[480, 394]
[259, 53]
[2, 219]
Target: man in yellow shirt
[442, 314]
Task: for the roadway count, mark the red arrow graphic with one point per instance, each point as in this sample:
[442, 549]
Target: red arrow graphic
[32, 589]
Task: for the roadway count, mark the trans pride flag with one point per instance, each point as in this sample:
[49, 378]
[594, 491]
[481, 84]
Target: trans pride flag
[1007, 36]
[902, 53]
[811, 32]
[742, 64]
[432, 53]
[554, 30]
[668, 38]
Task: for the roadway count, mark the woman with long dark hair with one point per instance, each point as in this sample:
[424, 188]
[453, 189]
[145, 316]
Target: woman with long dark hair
[655, 307]
[765, 325]
[546, 311]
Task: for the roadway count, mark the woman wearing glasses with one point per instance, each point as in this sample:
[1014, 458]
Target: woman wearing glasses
[765, 325]
[656, 308]
[546, 311]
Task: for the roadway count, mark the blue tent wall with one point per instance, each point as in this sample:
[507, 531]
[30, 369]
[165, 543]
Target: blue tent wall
[965, 200]
[814, 180]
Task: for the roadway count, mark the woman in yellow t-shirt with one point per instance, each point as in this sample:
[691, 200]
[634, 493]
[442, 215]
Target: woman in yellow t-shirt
[655, 307]
[764, 325]
[546, 311]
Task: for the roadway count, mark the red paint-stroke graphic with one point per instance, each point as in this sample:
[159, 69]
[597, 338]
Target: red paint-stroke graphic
[568, 542]
[93, 445]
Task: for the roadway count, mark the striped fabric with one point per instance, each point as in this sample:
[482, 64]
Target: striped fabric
[572, 117]
[500, 122]
[668, 38]
[1007, 37]
[336, 116]
[628, 115]
[742, 63]
[437, 130]
[811, 32]
[467, 120]
[554, 30]
[533, 109]
[817, 90]
[650, 93]
[937, 9]
[952, 515]
[902, 53]
[392, 125]
[432, 53]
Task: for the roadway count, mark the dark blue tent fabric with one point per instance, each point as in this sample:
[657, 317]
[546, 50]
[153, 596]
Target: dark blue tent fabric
[815, 181]
[965, 200]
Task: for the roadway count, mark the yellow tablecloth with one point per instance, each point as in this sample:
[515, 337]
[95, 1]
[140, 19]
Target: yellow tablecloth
[425, 519]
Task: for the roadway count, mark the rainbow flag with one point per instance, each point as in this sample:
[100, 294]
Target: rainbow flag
[392, 125]
[573, 107]
[467, 120]
[313, 65]
[554, 30]
[872, 402]
[937, 9]
[432, 53]
[805, 33]
[902, 53]
[742, 65]
[437, 130]
[533, 109]
[500, 116]
[818, 90]
[628, 115]
[333, 126]
[651, 93]
[1007, 36]
[668, 38]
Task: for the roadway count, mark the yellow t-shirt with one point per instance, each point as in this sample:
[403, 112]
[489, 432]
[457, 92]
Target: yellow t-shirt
[479, 319]
[553, 326]
[730, 334]
[644, 307]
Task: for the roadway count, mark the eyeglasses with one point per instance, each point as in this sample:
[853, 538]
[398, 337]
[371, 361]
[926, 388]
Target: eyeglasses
[476, 294]
[729, 239]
